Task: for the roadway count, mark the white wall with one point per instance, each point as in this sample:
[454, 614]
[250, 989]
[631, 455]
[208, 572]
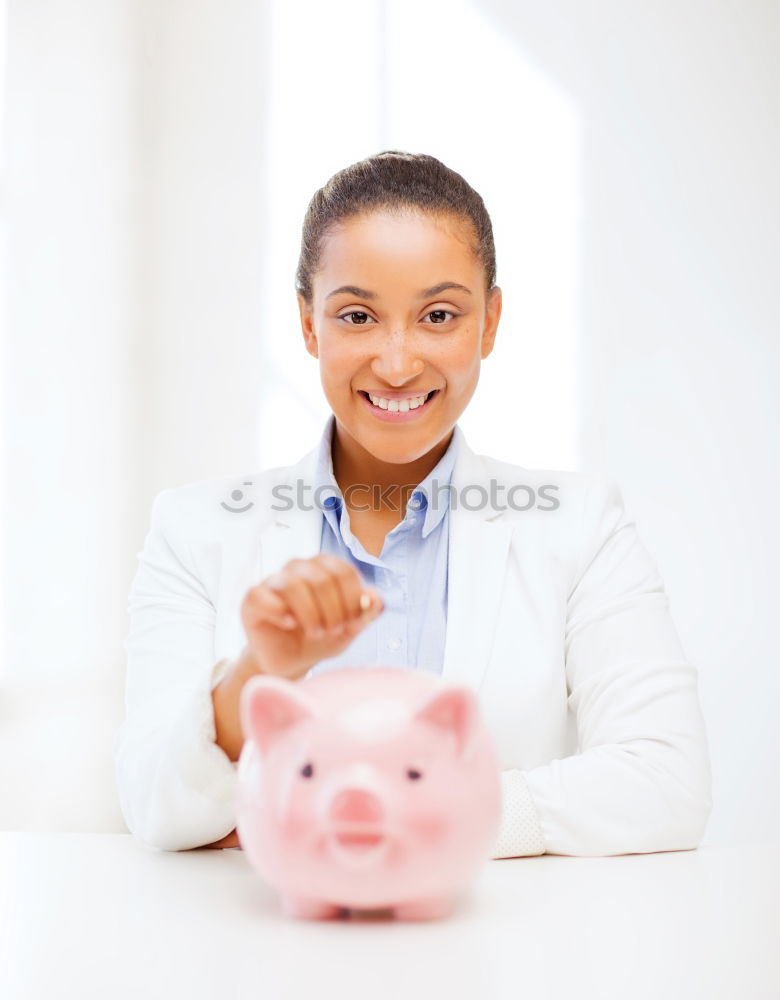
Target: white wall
[134, 234]
[70, 184]
[141, 192]
[200, 81]
[680, 331]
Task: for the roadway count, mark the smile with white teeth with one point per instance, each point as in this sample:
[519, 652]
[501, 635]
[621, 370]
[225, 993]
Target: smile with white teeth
[400, 405]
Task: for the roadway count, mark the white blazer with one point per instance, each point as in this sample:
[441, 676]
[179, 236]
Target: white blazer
[557, 618]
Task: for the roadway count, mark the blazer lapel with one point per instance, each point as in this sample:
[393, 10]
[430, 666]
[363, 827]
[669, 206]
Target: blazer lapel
[294, 533]
[478, 551]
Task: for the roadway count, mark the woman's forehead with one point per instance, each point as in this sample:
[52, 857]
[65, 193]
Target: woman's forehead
[409, 243]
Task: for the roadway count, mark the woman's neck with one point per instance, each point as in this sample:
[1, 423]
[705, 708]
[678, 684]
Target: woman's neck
[363, 478]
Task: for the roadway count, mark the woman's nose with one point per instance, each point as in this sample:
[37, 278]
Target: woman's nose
[398, 361]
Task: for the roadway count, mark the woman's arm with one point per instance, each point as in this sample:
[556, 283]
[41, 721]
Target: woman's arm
[176, 786]
[641, 781]
[226, 698]
[176, 752]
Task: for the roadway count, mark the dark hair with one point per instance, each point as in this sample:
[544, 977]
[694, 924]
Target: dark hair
[392, 181]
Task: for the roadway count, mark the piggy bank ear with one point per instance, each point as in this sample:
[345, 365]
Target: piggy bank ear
[269, 706]
[454, 710]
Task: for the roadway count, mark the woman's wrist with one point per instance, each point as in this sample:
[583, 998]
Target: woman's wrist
[226, 697]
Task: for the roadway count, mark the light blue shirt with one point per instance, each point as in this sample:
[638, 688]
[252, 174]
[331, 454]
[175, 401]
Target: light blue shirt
[410, 573]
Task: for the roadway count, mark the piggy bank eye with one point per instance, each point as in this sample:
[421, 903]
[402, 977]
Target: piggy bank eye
[307, 771]
[413, 775]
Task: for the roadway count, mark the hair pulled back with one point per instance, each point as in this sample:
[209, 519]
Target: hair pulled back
[392, 181]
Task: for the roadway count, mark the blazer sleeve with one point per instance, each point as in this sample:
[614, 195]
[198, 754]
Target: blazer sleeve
[176, 785]
[641, 781]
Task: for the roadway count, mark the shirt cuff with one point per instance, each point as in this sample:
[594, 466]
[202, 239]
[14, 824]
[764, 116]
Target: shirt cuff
[219, 671]
[200, 762]
[520, 833]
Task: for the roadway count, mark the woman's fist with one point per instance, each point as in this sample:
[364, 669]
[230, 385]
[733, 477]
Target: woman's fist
[308, 611]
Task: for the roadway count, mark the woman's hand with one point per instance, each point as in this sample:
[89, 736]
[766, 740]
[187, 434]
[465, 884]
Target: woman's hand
[230, 840]
[308, 611]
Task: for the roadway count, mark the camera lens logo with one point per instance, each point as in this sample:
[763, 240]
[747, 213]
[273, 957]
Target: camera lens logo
[237, 496]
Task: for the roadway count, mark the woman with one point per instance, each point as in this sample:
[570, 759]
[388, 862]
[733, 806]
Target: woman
[393, 543]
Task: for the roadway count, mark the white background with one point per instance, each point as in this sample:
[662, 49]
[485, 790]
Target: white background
[158, 159]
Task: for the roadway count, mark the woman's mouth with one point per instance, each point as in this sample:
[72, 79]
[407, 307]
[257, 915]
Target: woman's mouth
[399, 411]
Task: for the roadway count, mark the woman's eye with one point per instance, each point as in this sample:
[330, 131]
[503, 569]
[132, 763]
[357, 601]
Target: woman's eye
[440, 312]
[356, 313]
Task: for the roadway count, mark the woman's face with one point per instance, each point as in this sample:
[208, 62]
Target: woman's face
[394, 334]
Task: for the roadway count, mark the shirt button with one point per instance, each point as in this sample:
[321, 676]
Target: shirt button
[411, 520]
[414, 503]
[393, 643]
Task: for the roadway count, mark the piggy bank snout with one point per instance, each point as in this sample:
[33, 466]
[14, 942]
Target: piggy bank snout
[355, 805]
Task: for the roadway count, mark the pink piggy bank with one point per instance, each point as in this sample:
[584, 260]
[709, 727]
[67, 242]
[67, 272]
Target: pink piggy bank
[373, 788]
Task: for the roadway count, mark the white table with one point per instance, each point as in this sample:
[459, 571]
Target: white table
[102, 916]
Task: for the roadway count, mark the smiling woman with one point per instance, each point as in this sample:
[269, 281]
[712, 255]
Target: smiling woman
[554, 613]
[383, 337]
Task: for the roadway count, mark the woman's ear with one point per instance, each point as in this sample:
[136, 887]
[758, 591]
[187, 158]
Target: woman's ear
[307, 326]
[492, 316]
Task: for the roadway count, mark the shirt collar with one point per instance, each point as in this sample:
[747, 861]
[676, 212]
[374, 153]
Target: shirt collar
[431, 495]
